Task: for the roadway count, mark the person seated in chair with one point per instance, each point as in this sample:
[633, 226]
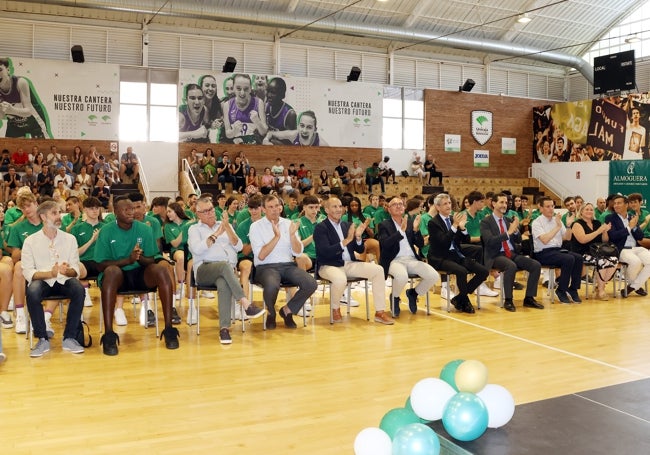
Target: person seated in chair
[125, 253]
[214, 246]
[275, 244]
[50, 264]
[337, 242]
[502, 245]
[445, 236]
[548, 234]
[400, 241]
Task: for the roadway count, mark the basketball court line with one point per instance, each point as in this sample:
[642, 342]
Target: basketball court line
[546, 346]
[612, 408]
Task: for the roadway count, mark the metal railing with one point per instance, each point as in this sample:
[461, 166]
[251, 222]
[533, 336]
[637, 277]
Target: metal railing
[185, 165]
[548, 180]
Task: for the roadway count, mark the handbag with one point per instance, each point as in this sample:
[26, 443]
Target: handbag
[603, 250]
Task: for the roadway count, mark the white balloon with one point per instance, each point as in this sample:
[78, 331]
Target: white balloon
[372, 441]
[429, 397]
[499, 403]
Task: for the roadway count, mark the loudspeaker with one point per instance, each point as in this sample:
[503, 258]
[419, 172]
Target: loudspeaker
[355, 72]
[230, 65]
[467, 86]
[77, 53]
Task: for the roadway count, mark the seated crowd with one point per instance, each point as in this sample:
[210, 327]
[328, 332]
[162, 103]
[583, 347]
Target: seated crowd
[228, 242]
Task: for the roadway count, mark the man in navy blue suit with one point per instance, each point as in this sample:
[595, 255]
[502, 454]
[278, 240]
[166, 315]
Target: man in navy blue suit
[337, 242]
[624, 234]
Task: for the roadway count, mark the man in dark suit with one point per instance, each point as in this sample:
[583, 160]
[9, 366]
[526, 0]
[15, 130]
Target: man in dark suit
[445, 236]
[400, 241]
[625, 233]
[336, 244]
[501, 247]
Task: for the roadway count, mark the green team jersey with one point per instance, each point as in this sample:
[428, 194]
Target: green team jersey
[242, 231]
[306, 229]
[473, 224]
[291, 214]
[173, 230]
[380, 215]
[424, 230]
[83, 232]
[156, 228]
[369, 211]
[241, 216]
[67, 219]
[115, 243]
[20, 232]
[604, 215]
[190, 214]
[564, 217]
[11, 215]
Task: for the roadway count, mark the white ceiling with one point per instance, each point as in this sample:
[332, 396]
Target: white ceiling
[459, 27]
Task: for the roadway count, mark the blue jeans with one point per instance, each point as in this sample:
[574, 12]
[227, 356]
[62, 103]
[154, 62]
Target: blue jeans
[39, 290]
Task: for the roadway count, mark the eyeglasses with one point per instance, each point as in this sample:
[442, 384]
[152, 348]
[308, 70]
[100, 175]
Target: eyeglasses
[396, 204]
[206, 211]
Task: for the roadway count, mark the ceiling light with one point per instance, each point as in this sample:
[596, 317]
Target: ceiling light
[523, 18]
[632, 39]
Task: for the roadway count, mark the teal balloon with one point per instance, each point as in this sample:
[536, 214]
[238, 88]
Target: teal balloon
[397, 418]
[416, 439]
[408, 406]
[448, 372]
[465, 416]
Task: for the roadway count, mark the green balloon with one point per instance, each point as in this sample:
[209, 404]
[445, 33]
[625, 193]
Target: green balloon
[397, 418]
[408, 406]
[448, 373]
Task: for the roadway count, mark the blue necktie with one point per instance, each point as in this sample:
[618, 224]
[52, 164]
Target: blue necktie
[453, 241]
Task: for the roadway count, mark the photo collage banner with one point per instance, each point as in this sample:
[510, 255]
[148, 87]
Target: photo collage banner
[604, 129]
[258, 109]
[58, 100]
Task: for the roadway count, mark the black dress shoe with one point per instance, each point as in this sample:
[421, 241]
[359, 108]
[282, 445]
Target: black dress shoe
[468, 308]
[171, 337]
[270, 321]
[509, 306]
[457, 303]
[530, 302]
[395, 310]
[288, 320]
[641, 292]
[518, 286]
[627, 291]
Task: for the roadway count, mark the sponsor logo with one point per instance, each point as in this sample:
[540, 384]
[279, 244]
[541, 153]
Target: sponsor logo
[481, 126]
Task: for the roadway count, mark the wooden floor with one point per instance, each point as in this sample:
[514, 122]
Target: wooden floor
[306, 391]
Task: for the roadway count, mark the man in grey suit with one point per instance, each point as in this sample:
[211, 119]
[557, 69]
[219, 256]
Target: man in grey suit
[501, 246]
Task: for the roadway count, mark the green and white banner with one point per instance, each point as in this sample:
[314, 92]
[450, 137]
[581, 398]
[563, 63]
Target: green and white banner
[271, 110]
[58, 100]
[627, 177]
[481, 158]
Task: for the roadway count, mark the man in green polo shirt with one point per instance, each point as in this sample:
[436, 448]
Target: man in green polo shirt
[73, 215]
[125, 254]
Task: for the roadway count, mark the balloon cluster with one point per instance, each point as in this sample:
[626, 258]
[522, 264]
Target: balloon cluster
[462, 398]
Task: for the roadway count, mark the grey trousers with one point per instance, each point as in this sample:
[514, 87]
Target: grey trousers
[222, 275]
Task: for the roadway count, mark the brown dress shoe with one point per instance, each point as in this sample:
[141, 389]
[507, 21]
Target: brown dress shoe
[336, 315]
[383, 318]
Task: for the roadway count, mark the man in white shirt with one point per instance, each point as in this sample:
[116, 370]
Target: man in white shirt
[214, 246]
[275, 244]
[548, 233]
[50, 264]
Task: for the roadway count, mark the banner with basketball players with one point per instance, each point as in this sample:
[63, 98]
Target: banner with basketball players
[271, 110]
[58, 100]
[605, 129]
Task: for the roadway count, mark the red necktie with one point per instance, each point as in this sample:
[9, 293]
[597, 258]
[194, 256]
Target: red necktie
[506, 248]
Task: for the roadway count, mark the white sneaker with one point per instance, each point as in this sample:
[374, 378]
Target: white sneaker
[120, 317]
[353, 303]
[303, 310]
[207, 294]
[5, 320]
[21, 321]
[11, 304]
[143, 317]
[444, 291]
[496, 285]
[87, 300]
[193, 318]
[136, 299]
[177, 294]
[239, 312]
[48, 325]
[389, 282]
[484, 290]
[307, 306]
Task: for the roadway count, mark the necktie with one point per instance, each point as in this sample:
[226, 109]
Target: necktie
[448, 223]
[453, 241]
[506, 248]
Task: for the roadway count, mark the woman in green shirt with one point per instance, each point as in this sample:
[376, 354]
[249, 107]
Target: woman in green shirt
[175, 232]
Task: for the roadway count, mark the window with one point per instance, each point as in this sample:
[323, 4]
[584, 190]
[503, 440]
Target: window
[403, 126]
[148, 100]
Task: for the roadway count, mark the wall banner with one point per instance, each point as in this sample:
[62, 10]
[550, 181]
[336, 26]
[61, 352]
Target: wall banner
[58, 100]
[626, 177]
[481, 126]
[605, 129]
[481, 158]
[452, 142]
[272, 110]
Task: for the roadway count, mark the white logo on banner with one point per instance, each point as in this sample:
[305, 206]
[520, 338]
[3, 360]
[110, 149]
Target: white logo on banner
[481, 126]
